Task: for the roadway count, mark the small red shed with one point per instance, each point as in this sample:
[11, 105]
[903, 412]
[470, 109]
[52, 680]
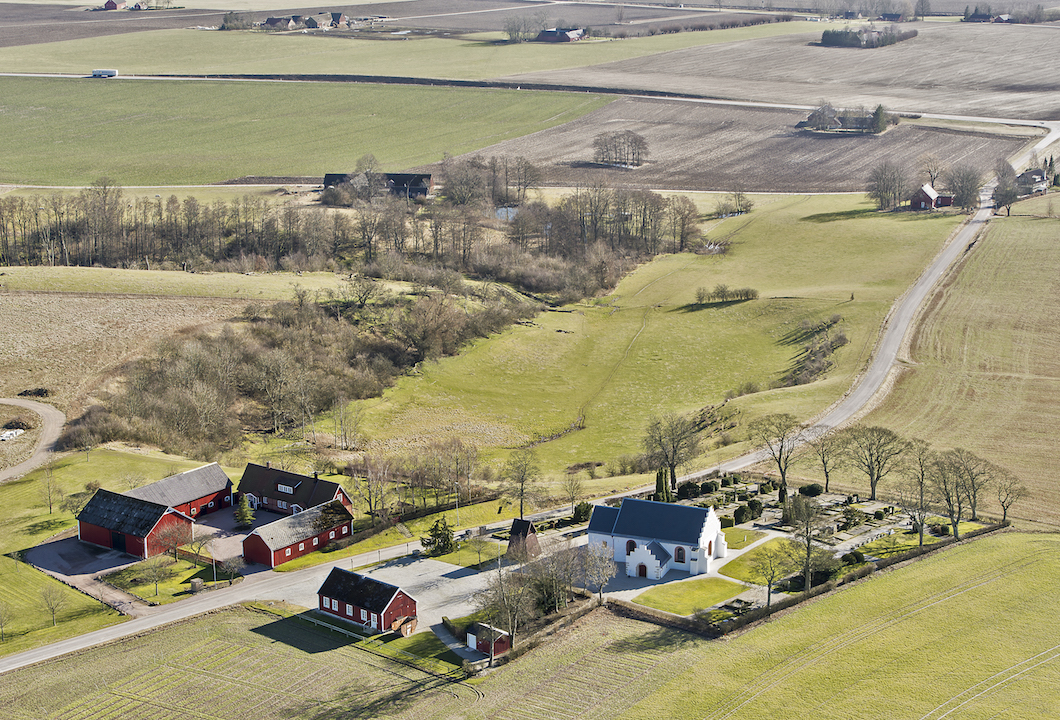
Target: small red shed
[367, 601]
[288, 538]
[479, 636]
[128, 524]
[195, 492]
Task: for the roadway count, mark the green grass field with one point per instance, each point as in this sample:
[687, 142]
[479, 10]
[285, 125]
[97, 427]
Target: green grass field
[685, 598]
[645, 349]
[237, 663]
[72, 132]
[30, 624]
[737, 538]
[986, 360]
[191, 52]
[177, 586]
[468, 557]
[739, 568]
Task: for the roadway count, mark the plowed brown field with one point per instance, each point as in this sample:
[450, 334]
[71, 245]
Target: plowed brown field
[696, 146]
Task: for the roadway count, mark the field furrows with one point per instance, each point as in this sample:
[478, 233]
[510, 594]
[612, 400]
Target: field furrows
[785, 672]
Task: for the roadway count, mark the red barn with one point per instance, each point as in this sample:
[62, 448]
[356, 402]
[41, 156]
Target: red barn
[290, 537]
[927, 198]
[288, 493]
[128, 524]
[479, 636]
[194, 492]
[367, 601]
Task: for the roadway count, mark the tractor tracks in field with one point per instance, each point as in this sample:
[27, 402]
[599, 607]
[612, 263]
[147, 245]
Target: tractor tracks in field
[765, 682]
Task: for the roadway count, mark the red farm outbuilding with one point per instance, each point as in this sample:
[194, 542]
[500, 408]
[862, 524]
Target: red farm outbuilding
[479, 636]
[195, 492]
[297, 535]
[367, 601]
[128, 524]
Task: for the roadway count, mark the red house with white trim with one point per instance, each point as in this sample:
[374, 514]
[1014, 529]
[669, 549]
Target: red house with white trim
[128, 524]
[268, 488]
[367, 601]
[288, 538]
[195, 492]
[479, 636]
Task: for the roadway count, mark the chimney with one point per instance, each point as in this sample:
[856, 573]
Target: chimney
[268, 464]
[316, 475]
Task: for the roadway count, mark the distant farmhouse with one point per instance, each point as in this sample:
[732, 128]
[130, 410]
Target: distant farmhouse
[406, 185]
[828, 118]
[652, 538]
[132, 522]
[560, 35]
[291, 537]
[367, 601]
[927, 198]
[1032, 182]
[114, 5]
[319, 21]
[268, 488]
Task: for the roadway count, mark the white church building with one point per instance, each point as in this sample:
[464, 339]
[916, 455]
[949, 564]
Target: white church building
[652, 538]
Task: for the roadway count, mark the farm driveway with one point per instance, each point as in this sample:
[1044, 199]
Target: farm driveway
[53, 421]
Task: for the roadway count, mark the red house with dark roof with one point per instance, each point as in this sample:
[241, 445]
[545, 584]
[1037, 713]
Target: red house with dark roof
[128, 524]
[288, 538]
[367, 601]
[195, 492]
[288, 493]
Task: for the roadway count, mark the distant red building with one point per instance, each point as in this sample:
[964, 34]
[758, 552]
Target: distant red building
[479, 636]
[288, 538]
[367, 601]
[927, 198]
[128, 524]
[195, 492]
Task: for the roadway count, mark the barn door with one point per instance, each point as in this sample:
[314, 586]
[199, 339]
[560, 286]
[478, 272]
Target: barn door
[117, 541]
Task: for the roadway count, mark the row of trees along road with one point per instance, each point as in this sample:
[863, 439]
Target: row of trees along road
[951, 482]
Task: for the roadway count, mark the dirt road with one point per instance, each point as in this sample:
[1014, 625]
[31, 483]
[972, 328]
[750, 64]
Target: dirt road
[52, 425]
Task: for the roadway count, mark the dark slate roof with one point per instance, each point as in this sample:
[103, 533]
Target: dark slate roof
[522, 528]
[603, 519]
[360, 590]
[184, 487]
[659, 552]
[308, 491]
[121, 513]
[660, 521]
[295, 528]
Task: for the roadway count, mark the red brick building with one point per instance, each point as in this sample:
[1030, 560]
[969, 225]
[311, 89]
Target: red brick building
[288, 538]
[367, 601]
[129, 524]
[195, 492]
[288, 493]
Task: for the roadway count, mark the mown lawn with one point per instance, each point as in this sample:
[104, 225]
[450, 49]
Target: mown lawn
[738, 538]
[174, 586]
[466, 556]
[688, 596]
[30, 622]
[740, 568]
[647, 349]
[205, 132]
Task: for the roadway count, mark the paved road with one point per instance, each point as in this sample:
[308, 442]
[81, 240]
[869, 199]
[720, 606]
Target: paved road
[52, 425]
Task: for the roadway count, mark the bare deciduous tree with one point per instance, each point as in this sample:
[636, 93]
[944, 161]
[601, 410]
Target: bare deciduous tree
[933, 167]
[6, 616]
[804, 515]
[829, 448]
[963, 182]
[155, 570]
[520, 476]
[669, 442]
[875, 451]
[172, 536]
[778, 434]
[975, 473]
[53, 598]
[233, 566]
[887, 185]
[914, 494]
[506, 601]
[48, 487]
[478, 544]
[599, 567]
[572, 488]
[950, 491]
[772, 563]
[1009, 492]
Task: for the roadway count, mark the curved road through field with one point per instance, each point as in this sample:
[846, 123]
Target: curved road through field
[52, 421]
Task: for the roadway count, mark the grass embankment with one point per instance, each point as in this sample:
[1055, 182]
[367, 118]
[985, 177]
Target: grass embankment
[647, 348]
[30, 621]
[238, 663]
[204, 132]
[686, 597]
[174, 586]
[986, 360]
[214, 53]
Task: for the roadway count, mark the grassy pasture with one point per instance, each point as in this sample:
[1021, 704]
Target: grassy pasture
[985, 371]
[236, 663]
[685, 598]
[647, 349]
[74, 131]
[190, 52]
[31, 622]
